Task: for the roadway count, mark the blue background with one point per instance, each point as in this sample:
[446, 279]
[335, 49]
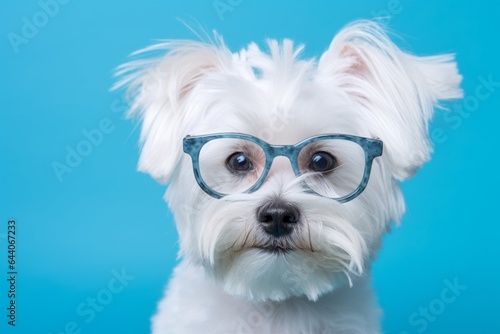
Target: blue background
[104, 216]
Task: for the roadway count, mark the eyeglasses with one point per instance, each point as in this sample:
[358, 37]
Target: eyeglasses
[336, 166]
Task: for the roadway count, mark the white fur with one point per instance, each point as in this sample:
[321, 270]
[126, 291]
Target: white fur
[362, 85]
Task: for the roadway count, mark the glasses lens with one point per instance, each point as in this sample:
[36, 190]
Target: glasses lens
[230, 166]
[332, 168]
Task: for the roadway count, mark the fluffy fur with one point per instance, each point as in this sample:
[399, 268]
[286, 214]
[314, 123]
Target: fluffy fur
[362, 85]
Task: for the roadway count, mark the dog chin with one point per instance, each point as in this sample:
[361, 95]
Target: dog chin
[259, 275]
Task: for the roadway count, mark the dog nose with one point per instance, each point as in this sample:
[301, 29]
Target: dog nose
[278, 218]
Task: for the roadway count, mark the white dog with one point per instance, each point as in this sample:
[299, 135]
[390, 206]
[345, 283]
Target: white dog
[283, 174]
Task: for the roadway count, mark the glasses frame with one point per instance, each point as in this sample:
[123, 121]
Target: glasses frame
[192, 145]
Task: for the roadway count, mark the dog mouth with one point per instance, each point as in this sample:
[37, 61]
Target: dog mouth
[275, 247]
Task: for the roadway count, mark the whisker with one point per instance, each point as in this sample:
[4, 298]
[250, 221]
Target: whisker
[309, 236]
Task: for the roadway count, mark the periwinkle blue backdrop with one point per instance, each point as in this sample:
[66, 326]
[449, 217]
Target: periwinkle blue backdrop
[76, 231]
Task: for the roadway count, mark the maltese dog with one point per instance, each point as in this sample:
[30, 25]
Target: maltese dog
[283, 173]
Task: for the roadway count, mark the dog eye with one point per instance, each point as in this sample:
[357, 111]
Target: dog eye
[238, 162]
[322, 162]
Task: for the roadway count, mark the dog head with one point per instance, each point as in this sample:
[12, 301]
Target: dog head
[275, 200]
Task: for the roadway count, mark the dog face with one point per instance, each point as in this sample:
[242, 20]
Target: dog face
[288, 236]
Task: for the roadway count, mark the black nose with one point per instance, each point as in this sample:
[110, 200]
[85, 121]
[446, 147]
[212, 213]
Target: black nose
[278, 218]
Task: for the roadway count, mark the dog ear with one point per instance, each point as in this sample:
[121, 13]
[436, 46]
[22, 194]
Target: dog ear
[159, 90]
[397, 91]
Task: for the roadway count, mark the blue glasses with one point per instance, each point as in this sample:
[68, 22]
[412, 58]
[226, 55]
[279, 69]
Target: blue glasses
[336, 166]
